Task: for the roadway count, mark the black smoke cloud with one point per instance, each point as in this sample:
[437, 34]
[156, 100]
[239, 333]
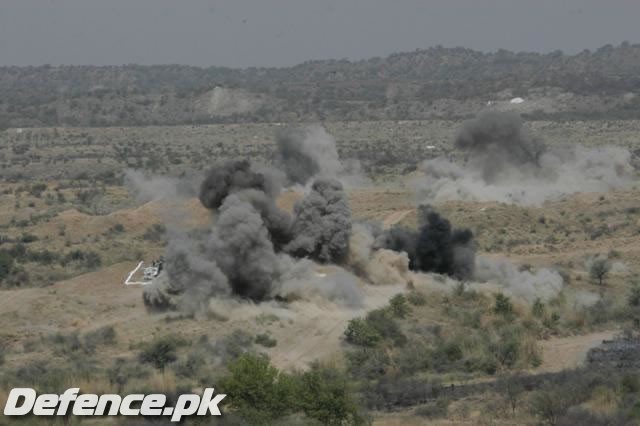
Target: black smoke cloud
[241, 246]
[505, 163]
[435, 247]
[322, 224]
[232, 176]
[248, 251]
[256, 251]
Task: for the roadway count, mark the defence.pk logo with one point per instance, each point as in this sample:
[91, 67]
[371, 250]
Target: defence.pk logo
[24, 401]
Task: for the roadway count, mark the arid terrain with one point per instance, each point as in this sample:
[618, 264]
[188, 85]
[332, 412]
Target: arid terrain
[71, 231]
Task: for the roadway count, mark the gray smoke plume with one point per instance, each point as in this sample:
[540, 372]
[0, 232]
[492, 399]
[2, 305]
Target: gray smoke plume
[506, 164]
[306, 152]
[257, 186]
[248, 250]
[435, 247]
[190, 279]
[497, 139]
[241, 246]
[322, 223]
[277, 222]
[227, 177]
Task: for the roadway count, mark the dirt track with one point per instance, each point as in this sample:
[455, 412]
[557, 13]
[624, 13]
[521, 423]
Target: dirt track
[562, 353]
[395, 217]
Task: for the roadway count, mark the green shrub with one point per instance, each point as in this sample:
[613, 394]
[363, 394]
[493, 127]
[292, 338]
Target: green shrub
[160, 352]
[257, 391]
[507, 349]
[634, 295]
[398, 306]
[599, 270]
[265, 340]
[118, 228]
[102, 336]
[414, 357]
[155, 233]
[233, 345]
[37, 189]
[630, 383]
[382, 321]
[89, 259]
[503, 305]
[360, 332]
[6, 264]
[368, 363]
[453, 351]
[538, 308]
[27, 238]
[326, 396]
[417, 298]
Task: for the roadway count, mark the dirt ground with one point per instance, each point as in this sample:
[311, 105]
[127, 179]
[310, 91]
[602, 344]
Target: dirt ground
[99, 298]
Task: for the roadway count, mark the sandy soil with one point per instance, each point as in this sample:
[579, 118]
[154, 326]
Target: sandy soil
[569, 352]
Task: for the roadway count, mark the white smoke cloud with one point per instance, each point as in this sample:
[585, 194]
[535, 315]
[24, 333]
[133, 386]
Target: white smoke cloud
[543, 283]
[508, 165]
[562, 172]
[145, 188]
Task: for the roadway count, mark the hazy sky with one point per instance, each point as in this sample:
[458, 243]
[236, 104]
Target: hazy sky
[242, 33]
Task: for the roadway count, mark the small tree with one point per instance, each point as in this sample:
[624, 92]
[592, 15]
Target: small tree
[634, 295]
[360, 332]
[511, 390]
[327, 397]
[599, 270]
[258, 392]
[398, 306]
[6, 264]
[538, 308]
[503, 305]
[160, 353]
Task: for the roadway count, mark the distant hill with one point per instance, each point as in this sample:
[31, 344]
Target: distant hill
[433, 83]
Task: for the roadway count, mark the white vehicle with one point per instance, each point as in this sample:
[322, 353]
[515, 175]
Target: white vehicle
[148, 273]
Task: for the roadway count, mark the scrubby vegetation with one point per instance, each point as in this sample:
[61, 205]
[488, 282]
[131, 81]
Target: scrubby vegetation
[259, 394]
[427, 354]
[480, 338]
[412, 85]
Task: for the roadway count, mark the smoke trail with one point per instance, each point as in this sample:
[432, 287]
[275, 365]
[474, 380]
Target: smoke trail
[322, 223]
[505, 163]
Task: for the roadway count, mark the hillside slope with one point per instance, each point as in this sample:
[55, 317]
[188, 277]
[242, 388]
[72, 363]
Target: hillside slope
[433, 83]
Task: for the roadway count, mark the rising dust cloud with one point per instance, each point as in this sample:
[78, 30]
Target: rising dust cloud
[505, 163]
[254, 250]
